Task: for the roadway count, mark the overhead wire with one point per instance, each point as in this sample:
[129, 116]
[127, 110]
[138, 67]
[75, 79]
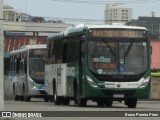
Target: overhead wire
[93, 2]
[99, 2]
[105, 1]
[73, 19]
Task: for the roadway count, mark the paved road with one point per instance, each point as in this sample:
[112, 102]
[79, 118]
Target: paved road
[39, 105]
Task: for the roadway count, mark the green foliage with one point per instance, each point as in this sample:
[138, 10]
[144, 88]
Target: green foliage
[38, 19]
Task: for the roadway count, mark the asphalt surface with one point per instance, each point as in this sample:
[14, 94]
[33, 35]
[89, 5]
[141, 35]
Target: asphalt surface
[38, 105]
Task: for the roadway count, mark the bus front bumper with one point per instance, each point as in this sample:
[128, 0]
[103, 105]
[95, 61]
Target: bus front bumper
[117, 93]
[37, 93]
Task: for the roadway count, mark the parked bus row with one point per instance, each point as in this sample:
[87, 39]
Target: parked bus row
[102, 63]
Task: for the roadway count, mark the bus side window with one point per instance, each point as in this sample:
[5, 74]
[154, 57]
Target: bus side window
[14, 64]
[11, 63]
[25, 62]
[48, 55]
[64, 53]
[21, 63]
[82, 45]
[82, 51]
[58, 45]
[73, 49]
[25, 66]
[53, 52]
[18, 65]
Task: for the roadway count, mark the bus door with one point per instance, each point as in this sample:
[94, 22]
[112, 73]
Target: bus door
[82, 49]
[61, 73]
[61, 79]
[22, 77]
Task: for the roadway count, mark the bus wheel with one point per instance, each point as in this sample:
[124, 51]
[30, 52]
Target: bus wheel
[100, 103]
[81, 102]
[46, 99]
[131, 103]
[51, 98]
[27, 98]
[16, 97]
[65, 101]
[22, 98]
[57, 99]
[75, 91]
[108, 103]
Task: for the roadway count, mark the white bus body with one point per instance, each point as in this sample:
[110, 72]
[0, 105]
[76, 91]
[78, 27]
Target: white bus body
[27, 72]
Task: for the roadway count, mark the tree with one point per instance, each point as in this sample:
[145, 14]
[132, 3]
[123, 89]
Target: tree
[38, 19]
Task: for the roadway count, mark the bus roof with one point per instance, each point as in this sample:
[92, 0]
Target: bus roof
[27, 47]
[81, 28]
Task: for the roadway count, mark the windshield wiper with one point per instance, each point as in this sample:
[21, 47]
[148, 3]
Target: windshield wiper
[110, 48]
[42, 59]
[128, 49]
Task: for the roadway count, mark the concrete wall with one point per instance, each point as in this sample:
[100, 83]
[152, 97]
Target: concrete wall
[155, 57]
[35, 27]
[155, 88]
[7, 91]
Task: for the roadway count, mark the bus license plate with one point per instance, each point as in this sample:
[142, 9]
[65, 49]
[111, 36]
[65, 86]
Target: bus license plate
[118, 95]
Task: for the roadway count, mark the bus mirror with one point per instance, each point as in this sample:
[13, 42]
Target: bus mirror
[25, 66]
[83, 38]
[151, 50]
[83, 48]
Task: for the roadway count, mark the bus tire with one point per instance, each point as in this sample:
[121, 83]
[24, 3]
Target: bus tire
[81, 102]
[16, 97]
[27, 98]
[65, 101]
[51, 98]
[108, 103]
[57, 99]
[21, 98]
[46, 99]
[100, 103]
[75, 91]
[131, 103]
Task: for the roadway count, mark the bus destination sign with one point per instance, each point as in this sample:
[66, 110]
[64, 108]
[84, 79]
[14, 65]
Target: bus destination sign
[35, 52]
[124, 33]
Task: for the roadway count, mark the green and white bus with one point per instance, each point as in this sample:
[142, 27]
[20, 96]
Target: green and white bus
[26, 73]
[102, 63]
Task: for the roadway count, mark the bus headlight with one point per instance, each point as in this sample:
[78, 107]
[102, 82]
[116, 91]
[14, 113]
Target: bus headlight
[33, 85]
[145, 82]
[91, 82]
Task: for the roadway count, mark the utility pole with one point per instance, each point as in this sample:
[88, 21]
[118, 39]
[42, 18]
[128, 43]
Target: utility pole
[1, 59]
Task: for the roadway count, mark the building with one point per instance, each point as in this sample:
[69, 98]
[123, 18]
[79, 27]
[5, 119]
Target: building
[117, 13]
[22, 17]
[8, 13]
[151, 23]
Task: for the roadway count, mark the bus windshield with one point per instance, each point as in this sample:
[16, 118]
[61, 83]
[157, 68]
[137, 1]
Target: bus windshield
[37, 66]
[117, 58]
[36, 69]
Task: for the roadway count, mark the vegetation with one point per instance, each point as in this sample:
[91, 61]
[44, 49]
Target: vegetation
[38, 19]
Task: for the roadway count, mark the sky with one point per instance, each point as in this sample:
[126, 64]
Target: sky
[82, 9]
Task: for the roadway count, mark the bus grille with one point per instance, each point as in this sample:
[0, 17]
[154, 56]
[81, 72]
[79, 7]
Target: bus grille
[42, 92]
[126, 93]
